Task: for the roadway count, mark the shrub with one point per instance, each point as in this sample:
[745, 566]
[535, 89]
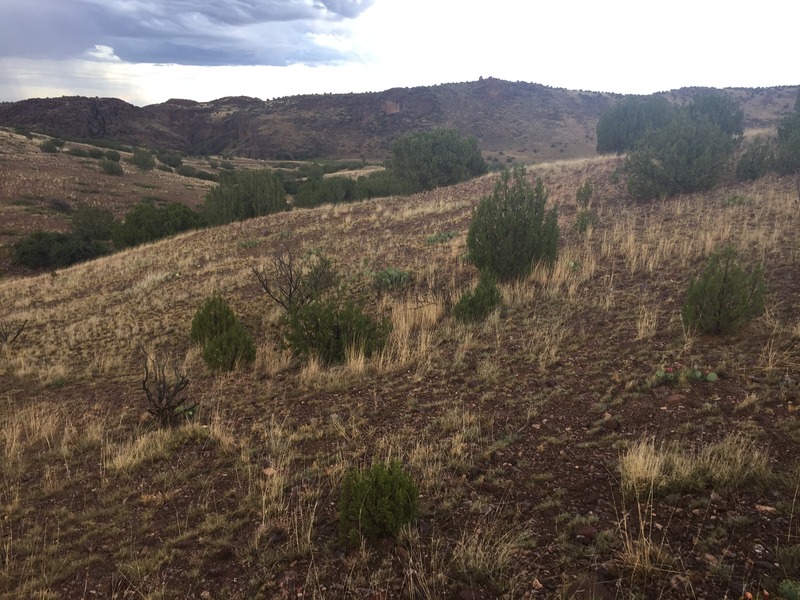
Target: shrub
[230, 349]
[586, 220]
[162, 391]
[92, 222]
[474, 306]
[79, 152]
[142, 159]
[213, 318]
[185, 170]
[390, 279]
[380, 184]
[721, 110]
[511, 230]
[430, 159]
[169, 159]
[724, 297]
[755, 162]
[111, 168]
[787, 156]
[376, 503]
[205, 175]
[243, 195]
[96, 153]
[48, 146]
[50, 250]
[112, 155]
[688, 155]
[227, 165]
[331, 330]
[292, 285]
[165, 168]
[329, 190]
[147, 223]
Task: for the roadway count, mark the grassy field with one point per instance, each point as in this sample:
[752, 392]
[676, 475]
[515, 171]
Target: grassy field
[549, 460]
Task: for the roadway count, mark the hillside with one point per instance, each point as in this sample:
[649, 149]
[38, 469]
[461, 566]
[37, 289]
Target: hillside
[524, 433]
[526, 120]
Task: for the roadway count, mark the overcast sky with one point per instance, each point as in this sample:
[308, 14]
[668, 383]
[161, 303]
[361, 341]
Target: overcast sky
[146, 51]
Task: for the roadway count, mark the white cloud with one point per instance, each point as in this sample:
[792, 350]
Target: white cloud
[102, 53]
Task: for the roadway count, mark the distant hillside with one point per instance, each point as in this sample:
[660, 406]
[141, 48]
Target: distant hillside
[517, 118]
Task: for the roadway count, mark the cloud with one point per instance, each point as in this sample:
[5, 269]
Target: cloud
[187, 32]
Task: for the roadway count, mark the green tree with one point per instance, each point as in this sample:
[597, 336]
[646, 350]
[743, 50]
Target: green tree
[243, 195]
[622, 126]
[146, 223]
[688, 155]
[430, 159]
[511, 230]
[722, 110]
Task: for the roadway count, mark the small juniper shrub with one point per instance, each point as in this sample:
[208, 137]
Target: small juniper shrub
[291, 284]
[230, 349]
[226, 344]
[330, 329]
[724, 297]
[756, 161]
[476, 305]
[213, 318]
[48, 146]
[391, 279]
[376, 503]
[511, 231]
[111, 167]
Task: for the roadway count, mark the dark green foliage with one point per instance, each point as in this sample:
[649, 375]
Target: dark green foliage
[687, 155]
[381, 184]
[226, 344]
[147, 223]
[205, 175]
[376, 503]
[724, 297]
[390, 279]
[789, 589]
[49, 250]
[165, 168]
[96, 153]
[169, 159]
[756, 161]
[476, 305]
[787, 156]
[431, 159]
[441, 237]
[92, 222]
[58, 142]
[327, 190]
[583, 197]
[621, 127]
[79, 152]
[112, 155]
[111, 168]
[213, 318]
[227, 165]
[48, 146]
[142, 159]
[243, 195]
[185, 170]
[231, 349]
[511, 230]
[721, 110]
[330, 330]
[586, 220]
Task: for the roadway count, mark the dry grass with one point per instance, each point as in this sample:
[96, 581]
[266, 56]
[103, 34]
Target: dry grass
[488, 419]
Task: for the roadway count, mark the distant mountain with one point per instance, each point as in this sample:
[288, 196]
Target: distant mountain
[513, 117]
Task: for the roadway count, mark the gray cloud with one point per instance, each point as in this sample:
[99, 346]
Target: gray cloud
[189, 32]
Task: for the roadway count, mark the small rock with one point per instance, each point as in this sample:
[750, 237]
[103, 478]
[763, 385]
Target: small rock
[611, 424]
[764, 509]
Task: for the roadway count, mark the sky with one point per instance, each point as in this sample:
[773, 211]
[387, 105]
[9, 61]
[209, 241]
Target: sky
[147, 51]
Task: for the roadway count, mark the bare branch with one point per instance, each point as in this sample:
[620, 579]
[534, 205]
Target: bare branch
[10, 331]
[162, 392]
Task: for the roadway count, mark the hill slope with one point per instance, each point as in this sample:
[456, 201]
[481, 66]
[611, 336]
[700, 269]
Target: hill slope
[517, 430]
[517, 118]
